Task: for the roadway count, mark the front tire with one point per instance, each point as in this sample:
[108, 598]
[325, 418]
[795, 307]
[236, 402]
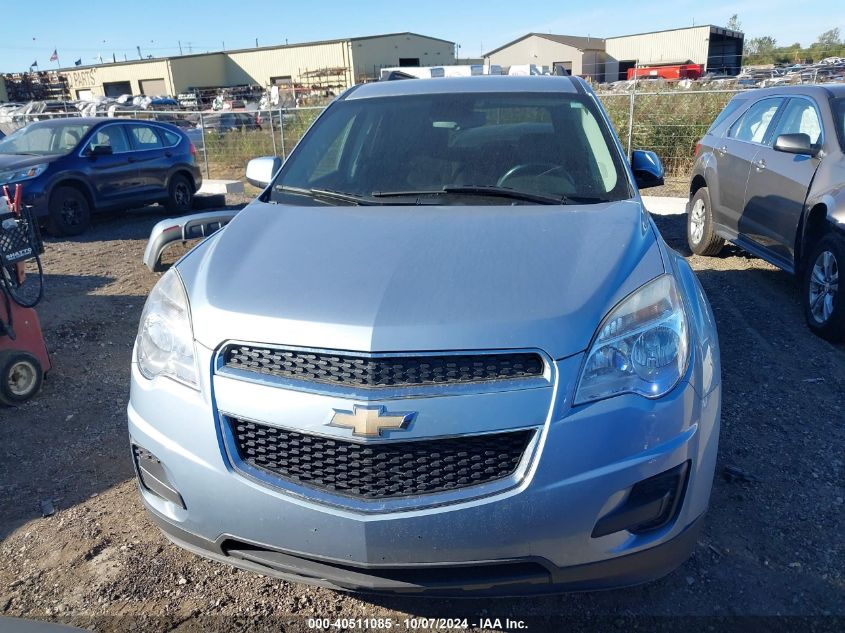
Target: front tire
[69, 212]
[821, 295]
[180, 195]
[701, 232]
[20, 377]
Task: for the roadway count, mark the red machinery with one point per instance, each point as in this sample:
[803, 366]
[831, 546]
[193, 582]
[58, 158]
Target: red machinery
[670, 72]
[23, 353]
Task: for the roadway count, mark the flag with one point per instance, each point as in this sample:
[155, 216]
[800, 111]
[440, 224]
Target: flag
[78, 62]
[55, 56]
[34, 64]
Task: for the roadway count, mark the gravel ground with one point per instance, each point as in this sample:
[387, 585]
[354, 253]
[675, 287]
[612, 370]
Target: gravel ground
[771, 543]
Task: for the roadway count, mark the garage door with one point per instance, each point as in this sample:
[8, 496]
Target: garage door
[153, 87]
[117, 88]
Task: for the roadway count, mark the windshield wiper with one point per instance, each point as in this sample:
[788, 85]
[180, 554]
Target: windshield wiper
[325, 194]
[337, 196]
[479, 190]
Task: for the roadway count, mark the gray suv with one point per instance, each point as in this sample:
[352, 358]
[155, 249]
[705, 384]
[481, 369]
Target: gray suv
[769, 176]
[445, 350]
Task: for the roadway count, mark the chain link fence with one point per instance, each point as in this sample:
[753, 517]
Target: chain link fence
[669, 122]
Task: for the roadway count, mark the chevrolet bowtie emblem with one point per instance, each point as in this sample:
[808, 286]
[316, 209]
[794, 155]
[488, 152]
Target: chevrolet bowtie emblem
[372, 421]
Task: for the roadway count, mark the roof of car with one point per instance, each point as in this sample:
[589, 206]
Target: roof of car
[477, 84]
[90, 120]
[810, 90]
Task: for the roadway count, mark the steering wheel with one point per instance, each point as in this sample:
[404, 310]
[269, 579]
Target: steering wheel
[533, 169]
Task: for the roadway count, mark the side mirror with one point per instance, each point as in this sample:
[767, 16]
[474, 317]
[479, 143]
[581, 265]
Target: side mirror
[261, 171]
[99, 150]
[795, 144]
[647, 168]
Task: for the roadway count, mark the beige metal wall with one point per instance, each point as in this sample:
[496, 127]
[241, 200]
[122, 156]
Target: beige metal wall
[198, 71]
[4, 96]
[540, 51]
[370, 55]
[259, 65]
[93, 77]
[665, 47]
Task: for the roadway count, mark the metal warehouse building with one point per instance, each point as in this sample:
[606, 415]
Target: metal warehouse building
[716, 49]
[343, 62]
[582, 56]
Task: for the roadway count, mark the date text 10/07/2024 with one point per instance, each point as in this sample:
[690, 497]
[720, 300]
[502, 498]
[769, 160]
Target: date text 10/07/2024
[412, 624]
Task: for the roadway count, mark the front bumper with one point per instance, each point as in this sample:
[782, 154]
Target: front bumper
[534, 537]
[529, 576]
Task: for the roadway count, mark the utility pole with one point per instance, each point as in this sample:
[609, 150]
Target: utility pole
[256, 42]
[139, 52]
[180, 47]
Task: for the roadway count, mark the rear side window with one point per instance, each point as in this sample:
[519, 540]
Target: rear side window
[733, 106]
[752, 126]
[145, 137]
[171, 138]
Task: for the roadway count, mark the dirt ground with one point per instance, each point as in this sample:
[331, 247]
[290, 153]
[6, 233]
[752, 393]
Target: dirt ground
[771, 545]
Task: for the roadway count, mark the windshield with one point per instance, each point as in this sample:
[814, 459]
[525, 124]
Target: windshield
[52, 138]
[550, 148]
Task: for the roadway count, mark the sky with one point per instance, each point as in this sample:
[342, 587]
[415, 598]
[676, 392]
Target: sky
[86, 30]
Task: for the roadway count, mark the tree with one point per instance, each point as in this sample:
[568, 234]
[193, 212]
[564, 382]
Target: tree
[734, 24]
[829, 39]
[760, 46]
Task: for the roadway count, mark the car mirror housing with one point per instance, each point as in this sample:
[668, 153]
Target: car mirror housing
[796, 144]
[647, 168]
[261, 171]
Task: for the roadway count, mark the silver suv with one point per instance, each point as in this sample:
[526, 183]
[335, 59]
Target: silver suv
[445, 350]
[770, 176]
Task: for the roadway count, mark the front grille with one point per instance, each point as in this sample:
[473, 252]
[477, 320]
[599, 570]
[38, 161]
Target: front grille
[379, 471]
[391, 371]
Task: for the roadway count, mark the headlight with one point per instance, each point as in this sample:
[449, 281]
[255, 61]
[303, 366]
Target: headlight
[641, 347]
[165, 344]
[24, 173]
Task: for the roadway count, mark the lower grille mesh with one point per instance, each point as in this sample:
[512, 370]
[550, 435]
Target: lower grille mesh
[379, 471]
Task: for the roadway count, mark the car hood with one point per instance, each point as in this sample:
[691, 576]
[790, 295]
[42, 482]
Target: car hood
[419, 278]
[16, 161]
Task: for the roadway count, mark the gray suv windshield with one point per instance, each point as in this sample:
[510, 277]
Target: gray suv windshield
[454, 148]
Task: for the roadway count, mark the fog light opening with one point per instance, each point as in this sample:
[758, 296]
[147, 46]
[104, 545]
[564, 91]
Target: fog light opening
[652, 504]
[153, 477]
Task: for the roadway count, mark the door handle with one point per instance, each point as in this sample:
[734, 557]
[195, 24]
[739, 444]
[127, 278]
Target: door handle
[721, 151]
[132, 159]
[760, 164]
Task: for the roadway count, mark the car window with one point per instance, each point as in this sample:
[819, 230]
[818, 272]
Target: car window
[145, 137]
[800, 117]
[110, 136]
[733, 105]
[753, 124]
[838, 111]
[552, 145]
[171, 137]
[45, 138]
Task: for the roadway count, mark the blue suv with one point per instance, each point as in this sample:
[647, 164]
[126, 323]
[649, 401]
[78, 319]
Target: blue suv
[73, 167]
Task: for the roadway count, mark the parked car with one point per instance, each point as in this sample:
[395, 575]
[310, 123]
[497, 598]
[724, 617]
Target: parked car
[446, 350]
[770, 176]
[229, 122]
[71, 168]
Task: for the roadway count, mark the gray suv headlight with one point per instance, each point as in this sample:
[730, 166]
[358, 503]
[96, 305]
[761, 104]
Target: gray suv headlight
[641, 347]
[165, 343]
